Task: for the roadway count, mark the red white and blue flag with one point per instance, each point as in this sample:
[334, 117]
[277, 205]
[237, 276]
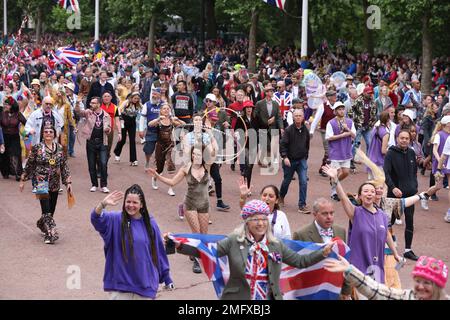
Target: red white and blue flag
[69, 5]
[312, 283]
[69, 55]
[276, 3]
[284, 101]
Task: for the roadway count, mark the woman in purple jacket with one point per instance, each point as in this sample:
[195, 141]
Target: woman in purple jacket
[136, 261]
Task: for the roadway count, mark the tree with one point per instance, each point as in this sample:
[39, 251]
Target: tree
[211, 24]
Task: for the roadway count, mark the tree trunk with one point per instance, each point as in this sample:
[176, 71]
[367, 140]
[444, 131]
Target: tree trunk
[38, 25]
[427, 52]
[151, 37]
[211, 24]
[252, 41]
[368, 34]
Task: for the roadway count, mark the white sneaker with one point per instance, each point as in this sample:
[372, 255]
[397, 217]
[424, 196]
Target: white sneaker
[424, 204]
[447, 216]
[134, 164]
[171, 192]
[154, 186]
[93, 189]
[398, 221]
[105, 190]
[142, 140]
[117, 159]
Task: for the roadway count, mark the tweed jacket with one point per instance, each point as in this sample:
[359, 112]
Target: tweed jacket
[311, 234]
[263, 117]
[237, 287]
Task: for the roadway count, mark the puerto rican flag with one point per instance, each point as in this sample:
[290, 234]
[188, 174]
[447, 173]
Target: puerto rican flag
[69, 5]
[285, 102]
[312, 283]
[276, 3]
[69, 55]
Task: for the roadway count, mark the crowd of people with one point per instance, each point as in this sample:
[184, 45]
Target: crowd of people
[184, 102]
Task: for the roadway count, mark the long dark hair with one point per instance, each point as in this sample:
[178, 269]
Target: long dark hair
[125, 225]
[277, 194]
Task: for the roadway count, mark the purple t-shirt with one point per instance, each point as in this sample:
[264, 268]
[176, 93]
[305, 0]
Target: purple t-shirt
[376, 143]
[139, 275]
[367, 239]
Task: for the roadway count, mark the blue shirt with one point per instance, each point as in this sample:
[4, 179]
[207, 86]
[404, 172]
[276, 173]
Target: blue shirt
[139, 275]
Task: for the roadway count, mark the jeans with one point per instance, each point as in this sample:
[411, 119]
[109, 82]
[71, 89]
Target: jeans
[98, 150]
[361, 132]
[71, 140]
[301, 167]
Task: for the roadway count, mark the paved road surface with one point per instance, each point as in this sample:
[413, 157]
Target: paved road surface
[32, 270]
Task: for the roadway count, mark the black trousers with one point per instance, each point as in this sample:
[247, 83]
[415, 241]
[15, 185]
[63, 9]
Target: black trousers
[130, 128]
[48, 205]
[215, 174]
[11, 162]
[409, 225]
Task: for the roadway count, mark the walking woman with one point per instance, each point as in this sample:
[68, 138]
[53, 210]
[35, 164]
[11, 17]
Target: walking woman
[164, 145]
[65, 111]
[369, 228]
[256, 257]
[136, 261]
[271, 196]
[246, 130]
[10, 120]
[196, 201]
[47, 166]
[128, 111]
[379, 142]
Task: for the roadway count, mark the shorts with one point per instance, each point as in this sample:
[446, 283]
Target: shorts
[192, 206]
[149, 147]
[338, 164]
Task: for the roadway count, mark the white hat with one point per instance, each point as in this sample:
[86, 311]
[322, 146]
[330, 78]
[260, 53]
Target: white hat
[70, 86]
[211, 97]
[409, 113]
[360, 88]
[337, 105]
[445, 120]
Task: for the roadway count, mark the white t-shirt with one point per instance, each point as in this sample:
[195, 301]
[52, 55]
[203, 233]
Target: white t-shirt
[329, 131]
[446, 150]
[437, 139]
[281, 229]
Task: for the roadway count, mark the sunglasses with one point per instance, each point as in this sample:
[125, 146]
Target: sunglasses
[207, 100]
[48, 131]
[48, 104]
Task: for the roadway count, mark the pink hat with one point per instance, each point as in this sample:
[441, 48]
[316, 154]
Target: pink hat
[254, 207]
[431, 269]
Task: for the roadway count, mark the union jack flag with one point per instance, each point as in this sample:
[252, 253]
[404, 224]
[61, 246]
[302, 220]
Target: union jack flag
[69, 5]
[69, 55]
[312, 283]
[276, 3]
[285, 102]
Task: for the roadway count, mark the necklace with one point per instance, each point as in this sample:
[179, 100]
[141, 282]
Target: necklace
[52, 160]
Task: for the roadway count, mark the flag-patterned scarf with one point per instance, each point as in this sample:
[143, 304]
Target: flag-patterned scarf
[256, 270]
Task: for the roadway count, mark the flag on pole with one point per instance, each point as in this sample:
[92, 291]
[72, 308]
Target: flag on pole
[312, 283]
[69, 55]
[276, 3]
[69, 5]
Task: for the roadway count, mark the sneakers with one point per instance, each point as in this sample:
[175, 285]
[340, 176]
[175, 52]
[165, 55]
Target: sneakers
[424, 204]
[154, 186]
[352, 165]
[410, 255]
[48, 239]
[233, 167]
[142, 140]
[196, 267]
[221, 206]
[105, 190]
[335, 197]
[116, 158]
[304, 209]
[134, 164]
[447, 216]
[181, 211]
[434, 197]
[398, 222]
[171, 192]
[211, 190]
[93, 189]
[60, 190]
